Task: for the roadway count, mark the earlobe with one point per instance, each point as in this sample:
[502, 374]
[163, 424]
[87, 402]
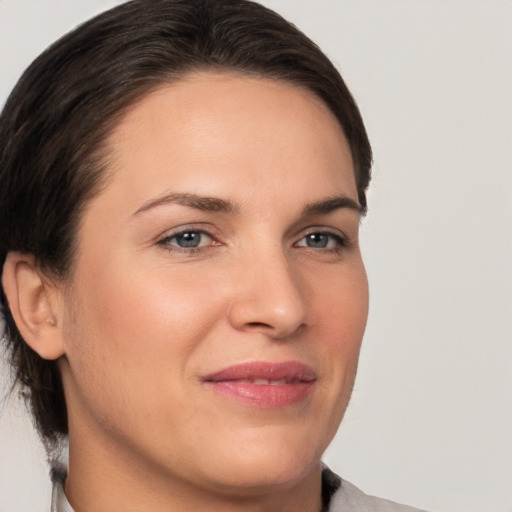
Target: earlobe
[33, 303]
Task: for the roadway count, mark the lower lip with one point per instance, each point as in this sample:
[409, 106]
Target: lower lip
[266, 396]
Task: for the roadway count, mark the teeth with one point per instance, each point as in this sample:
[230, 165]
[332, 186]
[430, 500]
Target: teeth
[267, 382]
[263, 382]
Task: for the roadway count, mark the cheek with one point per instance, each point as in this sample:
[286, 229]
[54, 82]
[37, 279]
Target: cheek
[133, 334]
[343, 307]
[342, 311]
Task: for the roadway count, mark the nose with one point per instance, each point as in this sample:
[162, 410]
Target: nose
[268, 297]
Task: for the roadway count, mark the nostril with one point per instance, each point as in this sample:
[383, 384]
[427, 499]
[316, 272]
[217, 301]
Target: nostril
[259, 325]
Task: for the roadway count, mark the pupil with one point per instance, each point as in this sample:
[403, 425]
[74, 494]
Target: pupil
[191, 239]
[317, 240]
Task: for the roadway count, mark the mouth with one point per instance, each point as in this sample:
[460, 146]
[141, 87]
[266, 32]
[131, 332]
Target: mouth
[264, 384]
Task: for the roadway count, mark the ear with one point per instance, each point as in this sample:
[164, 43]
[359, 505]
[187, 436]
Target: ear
[34, 305]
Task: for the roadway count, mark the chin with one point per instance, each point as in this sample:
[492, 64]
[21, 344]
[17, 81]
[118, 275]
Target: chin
[257, 479]
[269, 466]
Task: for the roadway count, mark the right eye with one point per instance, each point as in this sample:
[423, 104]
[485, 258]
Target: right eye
[189, 239]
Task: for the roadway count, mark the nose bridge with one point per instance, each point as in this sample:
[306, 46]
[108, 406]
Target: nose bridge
[269, 295]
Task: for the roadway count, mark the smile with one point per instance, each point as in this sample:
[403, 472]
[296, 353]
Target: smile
[264, 384]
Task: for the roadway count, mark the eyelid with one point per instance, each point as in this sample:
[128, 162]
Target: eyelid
[205, 229]
[341, 238]
[325, 230]
[183, 228]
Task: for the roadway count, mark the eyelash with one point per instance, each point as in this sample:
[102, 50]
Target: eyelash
[166, 241]
[341, 241]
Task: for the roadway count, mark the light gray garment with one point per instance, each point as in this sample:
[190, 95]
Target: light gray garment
[347, 498]
[59, 501]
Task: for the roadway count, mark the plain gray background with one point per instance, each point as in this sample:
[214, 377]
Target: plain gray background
[430, 421]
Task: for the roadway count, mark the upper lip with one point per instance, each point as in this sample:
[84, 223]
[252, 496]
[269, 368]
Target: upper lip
[288, 371]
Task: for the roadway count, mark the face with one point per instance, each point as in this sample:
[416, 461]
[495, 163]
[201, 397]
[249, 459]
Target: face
[218, 300]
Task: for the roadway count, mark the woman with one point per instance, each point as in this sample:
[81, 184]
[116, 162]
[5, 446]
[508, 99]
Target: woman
[183, 289]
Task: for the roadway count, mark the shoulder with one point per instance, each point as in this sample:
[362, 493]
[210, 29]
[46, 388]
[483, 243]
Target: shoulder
[348, 498]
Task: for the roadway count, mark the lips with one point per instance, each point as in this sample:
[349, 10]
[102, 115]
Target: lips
[264, 384]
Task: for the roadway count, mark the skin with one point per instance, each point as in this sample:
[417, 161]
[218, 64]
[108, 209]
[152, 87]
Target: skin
[142, 319]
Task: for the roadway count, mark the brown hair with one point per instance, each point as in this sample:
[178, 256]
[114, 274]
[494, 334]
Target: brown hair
[55, 122]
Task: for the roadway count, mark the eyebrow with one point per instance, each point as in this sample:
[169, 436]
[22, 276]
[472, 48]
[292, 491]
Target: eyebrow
[215, 204]
[325, 206]
[204, 203]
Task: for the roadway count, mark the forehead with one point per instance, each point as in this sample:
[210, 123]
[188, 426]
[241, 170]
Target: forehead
[211, 130]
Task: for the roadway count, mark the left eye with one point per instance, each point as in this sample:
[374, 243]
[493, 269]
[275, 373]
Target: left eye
[321, 241]
[189, 240]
